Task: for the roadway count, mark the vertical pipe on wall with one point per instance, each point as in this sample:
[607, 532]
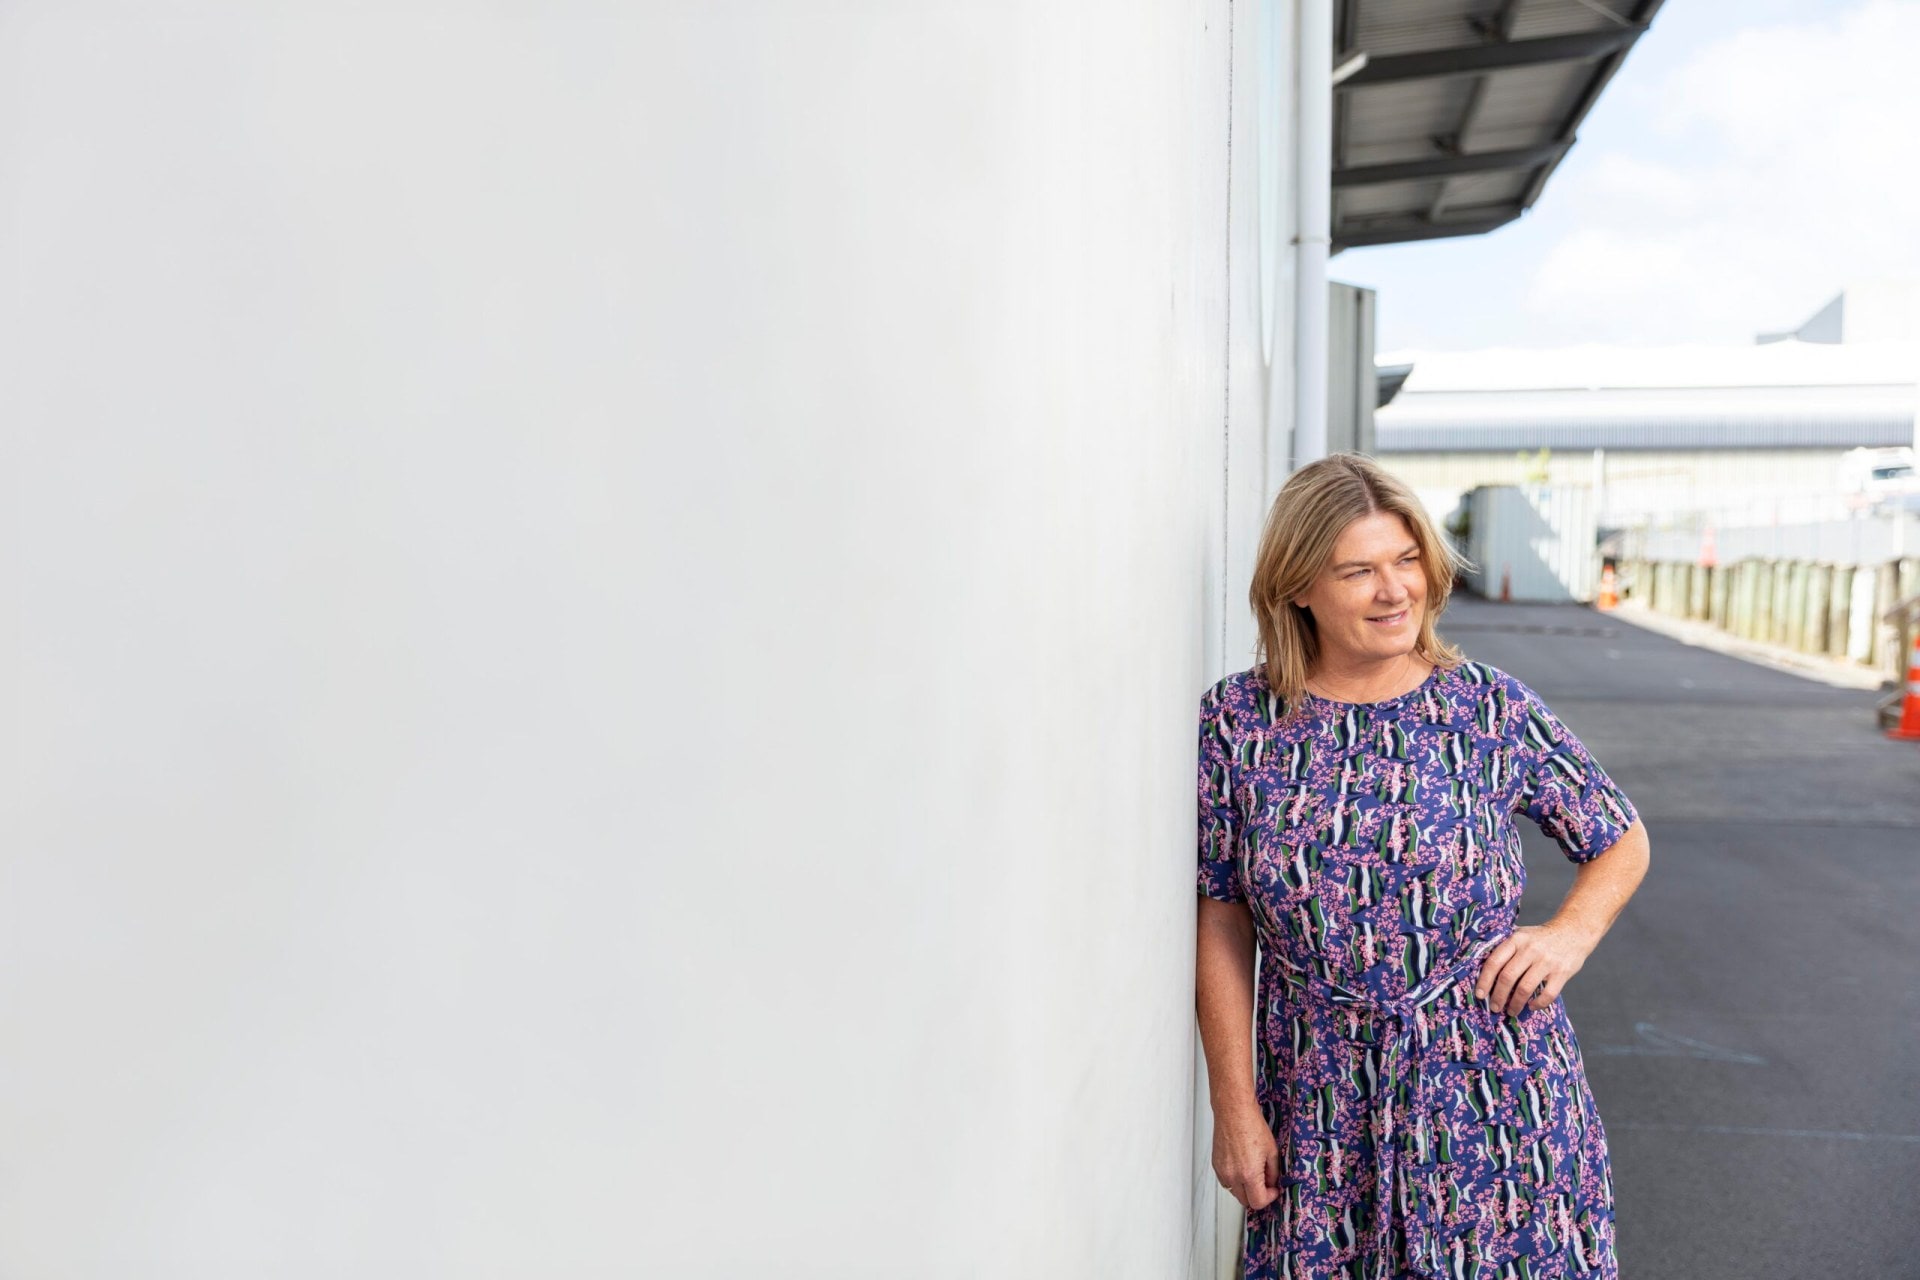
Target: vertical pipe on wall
[1313, 192]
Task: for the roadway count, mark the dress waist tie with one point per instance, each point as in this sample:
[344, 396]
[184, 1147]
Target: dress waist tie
[1387, 1030]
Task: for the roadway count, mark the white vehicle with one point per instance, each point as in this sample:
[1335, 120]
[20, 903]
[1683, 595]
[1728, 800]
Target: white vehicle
[1873, 477]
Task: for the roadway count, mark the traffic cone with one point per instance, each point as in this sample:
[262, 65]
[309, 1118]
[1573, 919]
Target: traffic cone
[1506, 584]
[1709, 553]
[1909, 726]
[1608, 596]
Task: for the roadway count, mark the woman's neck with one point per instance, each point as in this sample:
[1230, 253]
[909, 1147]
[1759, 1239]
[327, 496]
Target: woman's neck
[1367, 681]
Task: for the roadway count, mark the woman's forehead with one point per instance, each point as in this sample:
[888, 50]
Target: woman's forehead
[1372, 536]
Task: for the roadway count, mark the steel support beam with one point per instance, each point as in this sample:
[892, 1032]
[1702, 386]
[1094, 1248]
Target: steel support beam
[1401, 230]
[1477, 59]
[1449, 166]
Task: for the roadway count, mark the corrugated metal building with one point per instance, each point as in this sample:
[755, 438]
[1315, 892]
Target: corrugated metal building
[1737, 434]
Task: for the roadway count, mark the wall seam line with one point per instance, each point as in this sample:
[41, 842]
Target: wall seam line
[1226, 374]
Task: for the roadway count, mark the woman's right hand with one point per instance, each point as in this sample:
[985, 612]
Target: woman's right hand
[1246, 1158]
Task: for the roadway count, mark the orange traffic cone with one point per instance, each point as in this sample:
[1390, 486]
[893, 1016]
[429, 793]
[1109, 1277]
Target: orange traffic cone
[1709, 553]
[1608, 596]
[1506, 584]
[1909, 726]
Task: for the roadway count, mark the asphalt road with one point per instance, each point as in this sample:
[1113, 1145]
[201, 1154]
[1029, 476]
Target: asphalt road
[1751, 1023]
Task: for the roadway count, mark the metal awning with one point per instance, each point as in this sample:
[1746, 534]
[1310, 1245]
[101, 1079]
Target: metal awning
[1458, 111]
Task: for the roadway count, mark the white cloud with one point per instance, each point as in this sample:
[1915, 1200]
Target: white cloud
[1784, 163]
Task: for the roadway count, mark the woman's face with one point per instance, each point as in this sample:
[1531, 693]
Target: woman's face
[1367, 602]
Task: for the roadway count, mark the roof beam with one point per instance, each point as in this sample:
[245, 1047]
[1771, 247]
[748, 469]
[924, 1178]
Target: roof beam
[1642, 19]
[1449, 166]
[1477, 59]
[1400, 230]
[1499, 27]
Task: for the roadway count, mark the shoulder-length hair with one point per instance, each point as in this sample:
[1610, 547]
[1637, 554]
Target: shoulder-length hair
[1312, 509]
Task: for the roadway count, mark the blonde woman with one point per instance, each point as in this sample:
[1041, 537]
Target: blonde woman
[1413, 1102]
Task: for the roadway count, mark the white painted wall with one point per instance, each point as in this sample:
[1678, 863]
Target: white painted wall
[1535, 540]
[604, 608]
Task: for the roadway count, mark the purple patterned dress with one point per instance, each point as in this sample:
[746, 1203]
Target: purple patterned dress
[1421, 1132]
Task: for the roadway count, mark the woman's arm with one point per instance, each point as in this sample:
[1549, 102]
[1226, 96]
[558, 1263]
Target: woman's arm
[1223, 973]
[1602, 886]
[1553, 952]
[1246, 1158]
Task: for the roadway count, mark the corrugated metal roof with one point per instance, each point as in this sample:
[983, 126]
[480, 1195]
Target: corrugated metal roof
[1596, 366]
[1777, 395]
[1472, 84]
[1835, 430]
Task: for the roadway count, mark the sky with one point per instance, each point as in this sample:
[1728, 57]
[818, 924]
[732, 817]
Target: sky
[1748, 160]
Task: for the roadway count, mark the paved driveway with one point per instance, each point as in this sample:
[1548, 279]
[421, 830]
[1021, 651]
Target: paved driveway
[1751, 1024]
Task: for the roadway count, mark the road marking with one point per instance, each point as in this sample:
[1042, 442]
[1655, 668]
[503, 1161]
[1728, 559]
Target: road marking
[1671, 1044]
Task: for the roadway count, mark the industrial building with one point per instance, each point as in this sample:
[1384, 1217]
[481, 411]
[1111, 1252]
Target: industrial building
[1729, 435]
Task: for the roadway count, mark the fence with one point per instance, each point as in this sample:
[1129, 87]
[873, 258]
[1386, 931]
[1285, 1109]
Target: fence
[1838, 611]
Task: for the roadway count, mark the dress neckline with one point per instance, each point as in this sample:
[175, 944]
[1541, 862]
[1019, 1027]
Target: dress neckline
[1309, 696]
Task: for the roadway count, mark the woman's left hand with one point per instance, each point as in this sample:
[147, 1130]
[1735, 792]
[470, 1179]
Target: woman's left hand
[1529, 956]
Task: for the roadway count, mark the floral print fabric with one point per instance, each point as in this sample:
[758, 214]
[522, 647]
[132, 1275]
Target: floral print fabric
[1421, 1131]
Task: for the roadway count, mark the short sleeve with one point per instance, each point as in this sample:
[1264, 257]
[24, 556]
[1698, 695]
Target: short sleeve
[1562, 787]
[1219, 831]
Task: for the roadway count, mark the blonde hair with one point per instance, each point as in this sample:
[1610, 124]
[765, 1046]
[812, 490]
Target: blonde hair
[1308, 515]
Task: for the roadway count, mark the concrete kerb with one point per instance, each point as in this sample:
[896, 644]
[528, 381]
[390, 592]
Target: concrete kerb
[1704, 635]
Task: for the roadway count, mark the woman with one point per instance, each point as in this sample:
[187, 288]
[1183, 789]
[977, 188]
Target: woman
[1414, 1101]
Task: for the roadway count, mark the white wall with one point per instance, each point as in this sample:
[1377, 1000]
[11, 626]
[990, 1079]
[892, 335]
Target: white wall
[605, 605]
[1535, 541]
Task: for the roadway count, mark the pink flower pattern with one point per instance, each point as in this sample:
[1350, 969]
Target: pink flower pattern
[1421, 1131]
